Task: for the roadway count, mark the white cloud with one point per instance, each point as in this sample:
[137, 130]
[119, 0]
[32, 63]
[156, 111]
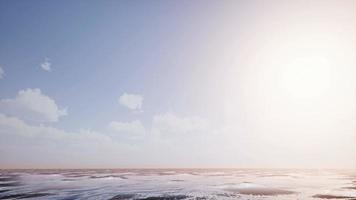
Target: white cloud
[135, 128]
[13, 125]
[2, 72]
[131, 101]
[46, 65]
[41, 145]
[170, 124]
[17, 127]
[32, 146]
[32, 105]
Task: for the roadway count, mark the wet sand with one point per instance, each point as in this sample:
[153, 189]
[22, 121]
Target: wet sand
[177, 184]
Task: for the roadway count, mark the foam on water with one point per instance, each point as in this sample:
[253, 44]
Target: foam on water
[176, 184]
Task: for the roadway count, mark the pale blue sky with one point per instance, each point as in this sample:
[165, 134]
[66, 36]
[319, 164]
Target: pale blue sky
[202, 83]
[98, 50]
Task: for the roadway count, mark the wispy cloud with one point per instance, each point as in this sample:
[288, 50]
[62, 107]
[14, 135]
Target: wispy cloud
[25, 141]
[2, 73]
[133, 129]
[169, 124]
[33, 105]
[131, 101]
[87, 148]
[46, 65]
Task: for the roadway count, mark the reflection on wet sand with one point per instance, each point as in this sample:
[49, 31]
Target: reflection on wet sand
[327, 196]
[177, 184]
[25, 195]
[167, 197]
[251, 189]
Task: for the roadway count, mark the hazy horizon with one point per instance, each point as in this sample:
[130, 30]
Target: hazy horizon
[178, 84]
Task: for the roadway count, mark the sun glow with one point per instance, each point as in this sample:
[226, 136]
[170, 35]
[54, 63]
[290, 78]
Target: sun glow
[307, 78]
[298, 89]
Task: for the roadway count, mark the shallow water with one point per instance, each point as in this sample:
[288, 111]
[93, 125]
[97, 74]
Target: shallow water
[176, 184]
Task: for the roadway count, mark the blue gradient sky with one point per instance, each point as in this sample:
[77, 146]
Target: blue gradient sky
[103, 49]
[194, 65]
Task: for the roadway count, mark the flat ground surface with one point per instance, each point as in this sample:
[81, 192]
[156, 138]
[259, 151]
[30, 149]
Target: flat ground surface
[171, 184]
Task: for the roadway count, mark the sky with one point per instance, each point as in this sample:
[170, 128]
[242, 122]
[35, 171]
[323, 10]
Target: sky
[117, 84]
